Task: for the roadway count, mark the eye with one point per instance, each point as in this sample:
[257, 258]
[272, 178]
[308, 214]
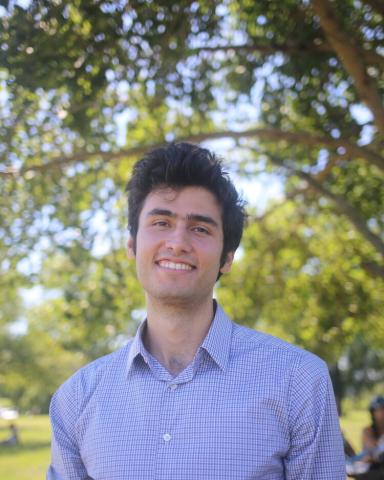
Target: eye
[160, 223]
[200, 229]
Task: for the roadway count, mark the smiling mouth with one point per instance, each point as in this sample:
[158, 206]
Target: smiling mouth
[175, 266]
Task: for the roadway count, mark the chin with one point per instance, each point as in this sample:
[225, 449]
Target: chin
[177, 299]
[173, 297]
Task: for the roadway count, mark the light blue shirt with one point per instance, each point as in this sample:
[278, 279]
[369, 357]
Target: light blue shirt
[249, 406]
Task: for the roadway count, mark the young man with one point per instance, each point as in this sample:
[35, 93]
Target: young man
[193, 396]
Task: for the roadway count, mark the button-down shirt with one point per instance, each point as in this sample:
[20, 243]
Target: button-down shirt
[249, 406]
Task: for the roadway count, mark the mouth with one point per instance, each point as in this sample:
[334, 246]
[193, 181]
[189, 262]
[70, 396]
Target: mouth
[167, 264]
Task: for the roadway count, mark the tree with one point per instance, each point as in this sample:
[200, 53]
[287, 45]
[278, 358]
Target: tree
[302, 281]
[294, 86]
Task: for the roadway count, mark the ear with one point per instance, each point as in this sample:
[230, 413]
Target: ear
[228, 262]
[131, 248]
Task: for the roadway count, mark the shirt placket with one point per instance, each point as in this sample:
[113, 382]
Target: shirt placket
[165, 458]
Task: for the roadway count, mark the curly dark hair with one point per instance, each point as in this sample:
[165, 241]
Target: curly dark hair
[180, 165]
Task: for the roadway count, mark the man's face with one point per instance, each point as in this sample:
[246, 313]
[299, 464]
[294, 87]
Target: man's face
[179, 244]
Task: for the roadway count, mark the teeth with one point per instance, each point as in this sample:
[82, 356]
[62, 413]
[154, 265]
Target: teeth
[175, 266]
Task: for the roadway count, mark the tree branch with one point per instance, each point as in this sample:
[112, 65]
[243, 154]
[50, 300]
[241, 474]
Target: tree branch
[277, 205]
[377, 5]
[350, 56]
[370, 57]
[373, 268]
[273, 134]
[320, 177]
[342, 205]
[10, 173]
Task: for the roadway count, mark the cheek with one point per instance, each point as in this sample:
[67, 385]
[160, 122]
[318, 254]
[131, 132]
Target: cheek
[143, 242]
[212, 255]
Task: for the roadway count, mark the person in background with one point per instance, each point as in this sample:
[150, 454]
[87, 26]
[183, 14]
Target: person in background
[13, 439]
[373, 434]
[193, 395]
[369, 463]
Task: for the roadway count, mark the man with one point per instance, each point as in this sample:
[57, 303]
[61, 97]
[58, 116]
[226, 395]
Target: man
[193, 395]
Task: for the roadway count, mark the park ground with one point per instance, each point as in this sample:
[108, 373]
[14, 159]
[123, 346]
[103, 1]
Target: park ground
[30, 459]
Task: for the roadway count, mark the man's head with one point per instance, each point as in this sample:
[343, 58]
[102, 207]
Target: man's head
[184, 165]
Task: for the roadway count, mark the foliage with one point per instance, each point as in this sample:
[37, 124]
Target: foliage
[33, 367]
[295, 88]
[302, 281]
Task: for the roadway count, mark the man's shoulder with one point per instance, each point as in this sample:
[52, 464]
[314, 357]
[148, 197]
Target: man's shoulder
[250, 341]
[90, 375]
[101, 364]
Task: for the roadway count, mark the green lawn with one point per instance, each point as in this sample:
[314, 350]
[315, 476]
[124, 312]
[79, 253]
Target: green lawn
[30, 459]
[352, 424]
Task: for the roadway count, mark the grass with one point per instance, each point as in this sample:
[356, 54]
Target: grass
[30, 459]
[352, 424]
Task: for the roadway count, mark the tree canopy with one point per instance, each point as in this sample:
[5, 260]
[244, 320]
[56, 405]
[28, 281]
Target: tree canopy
[283, 89]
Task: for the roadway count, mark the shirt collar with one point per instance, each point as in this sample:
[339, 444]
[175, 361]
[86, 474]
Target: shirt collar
[217, 343]
[137, 347]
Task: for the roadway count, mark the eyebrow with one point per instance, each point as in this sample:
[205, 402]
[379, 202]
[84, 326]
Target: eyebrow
[195, 217]
[161, 211]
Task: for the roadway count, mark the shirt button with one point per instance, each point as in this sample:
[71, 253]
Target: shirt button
[173, 386]
[166, 437]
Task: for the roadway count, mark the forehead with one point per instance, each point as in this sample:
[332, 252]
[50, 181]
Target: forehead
[184, 201]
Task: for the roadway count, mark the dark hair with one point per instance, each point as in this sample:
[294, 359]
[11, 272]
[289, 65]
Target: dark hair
[376, 402]
[181, 165]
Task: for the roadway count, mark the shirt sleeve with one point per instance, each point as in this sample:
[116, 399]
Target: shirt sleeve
[66, 463]
[316, 451]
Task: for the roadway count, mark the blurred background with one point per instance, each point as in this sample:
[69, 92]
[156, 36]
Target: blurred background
[288, 92]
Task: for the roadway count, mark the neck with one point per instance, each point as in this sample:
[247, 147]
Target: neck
[174, 333]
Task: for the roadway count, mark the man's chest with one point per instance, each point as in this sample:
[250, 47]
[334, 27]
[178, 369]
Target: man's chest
[188, 431]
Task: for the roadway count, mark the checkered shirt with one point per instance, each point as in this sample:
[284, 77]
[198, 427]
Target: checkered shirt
[249, 406]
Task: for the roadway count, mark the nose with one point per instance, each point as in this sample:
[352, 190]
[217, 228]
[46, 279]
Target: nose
[178, 241]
